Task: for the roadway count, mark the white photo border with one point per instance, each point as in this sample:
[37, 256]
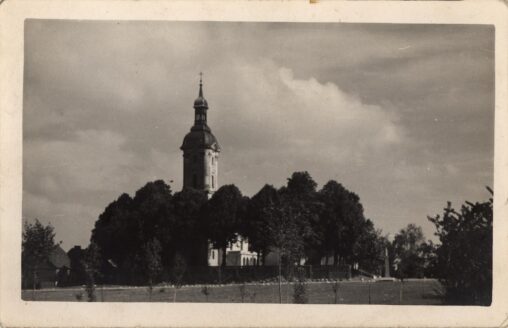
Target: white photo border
[15, 312]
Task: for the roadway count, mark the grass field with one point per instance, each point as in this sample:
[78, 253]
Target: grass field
[414, 292]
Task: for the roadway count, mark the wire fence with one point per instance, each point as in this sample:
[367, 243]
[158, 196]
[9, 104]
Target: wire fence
[418, 292]
[65, 277]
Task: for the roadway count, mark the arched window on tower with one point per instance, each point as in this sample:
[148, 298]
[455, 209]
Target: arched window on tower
[213, 181]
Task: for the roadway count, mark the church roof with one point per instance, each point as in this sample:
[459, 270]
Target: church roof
[200, 101]
[200, 135]
[200, 139]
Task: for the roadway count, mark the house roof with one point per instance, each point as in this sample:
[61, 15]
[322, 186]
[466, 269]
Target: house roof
[59, 258]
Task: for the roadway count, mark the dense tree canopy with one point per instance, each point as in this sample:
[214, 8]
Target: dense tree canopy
[342, 221]
[299, 198]
[320, 223]
[189, 228]
[464, 258]
[157, 231]
[407, 249]
[224, 215]
[369, 248]
[256, 223]
[298, 220]
[38, 242]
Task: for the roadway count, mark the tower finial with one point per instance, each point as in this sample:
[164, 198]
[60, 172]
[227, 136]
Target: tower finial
[201, 84]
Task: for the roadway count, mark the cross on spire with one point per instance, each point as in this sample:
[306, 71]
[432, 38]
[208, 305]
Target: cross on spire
[201, 84]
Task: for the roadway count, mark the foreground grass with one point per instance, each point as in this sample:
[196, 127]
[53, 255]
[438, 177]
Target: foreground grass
[415, 292]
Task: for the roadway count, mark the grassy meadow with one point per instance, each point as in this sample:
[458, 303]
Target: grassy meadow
[412, 292]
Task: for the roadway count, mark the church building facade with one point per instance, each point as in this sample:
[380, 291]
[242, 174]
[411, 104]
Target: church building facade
[200, 151]
[201, 170]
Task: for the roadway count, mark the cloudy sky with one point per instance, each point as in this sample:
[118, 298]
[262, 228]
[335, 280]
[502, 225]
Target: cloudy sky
[400, 114]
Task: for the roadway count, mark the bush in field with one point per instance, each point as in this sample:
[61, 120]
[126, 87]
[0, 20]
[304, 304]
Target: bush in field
[407, 245]
[179, 269]
[38, 242]
[205, 291]
[151, 262]
[92, 263]
[79, 296]
[464, 258]
[243, 291]
[336, 288]
[299, 289]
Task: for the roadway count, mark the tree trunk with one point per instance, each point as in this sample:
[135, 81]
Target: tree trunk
[335, 258]
[370, 301]
[280, 277]
[224, 253]
[401, 291]
[150, 290]
[34, 274]
[288, 278]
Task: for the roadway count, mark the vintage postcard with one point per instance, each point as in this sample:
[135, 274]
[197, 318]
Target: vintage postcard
[253, 163]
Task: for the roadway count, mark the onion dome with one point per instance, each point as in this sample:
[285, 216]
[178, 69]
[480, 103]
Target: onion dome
[200, 101]
[200, 139]
[200, 135]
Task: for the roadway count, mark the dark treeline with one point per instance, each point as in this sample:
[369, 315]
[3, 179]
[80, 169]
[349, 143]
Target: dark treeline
[159, 230]
[296, 220]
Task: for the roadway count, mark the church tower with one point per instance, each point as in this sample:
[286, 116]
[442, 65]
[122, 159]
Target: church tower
[200, 150]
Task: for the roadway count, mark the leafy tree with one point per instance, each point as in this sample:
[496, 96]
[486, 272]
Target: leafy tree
[299, 288]
[284, 235]
[189, 233]
[255, 227]
[76, 257]
[301, 185]
[369, 248]
[179, 269]
[428, 253]
[341, 222]
[154, 216]
[464, 258]
[407, 248]
[224, 214]
[300, 195]
[115, 232]
[127, 224]
[92, 263]
[38, 242]
[151, 262]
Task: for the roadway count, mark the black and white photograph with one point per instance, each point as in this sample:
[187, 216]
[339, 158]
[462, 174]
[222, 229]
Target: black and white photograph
[258, 162]
[333, 163]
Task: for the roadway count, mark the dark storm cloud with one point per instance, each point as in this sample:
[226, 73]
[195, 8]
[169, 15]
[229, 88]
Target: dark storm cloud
[400, 114]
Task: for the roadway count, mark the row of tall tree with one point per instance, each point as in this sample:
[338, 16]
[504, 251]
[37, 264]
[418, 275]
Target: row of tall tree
[297, 220]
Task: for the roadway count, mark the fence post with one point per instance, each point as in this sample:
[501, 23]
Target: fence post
[369, 293]
[33, 284]
[401, 290]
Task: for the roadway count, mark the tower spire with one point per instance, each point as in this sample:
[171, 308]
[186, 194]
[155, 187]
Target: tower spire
[201, 84]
